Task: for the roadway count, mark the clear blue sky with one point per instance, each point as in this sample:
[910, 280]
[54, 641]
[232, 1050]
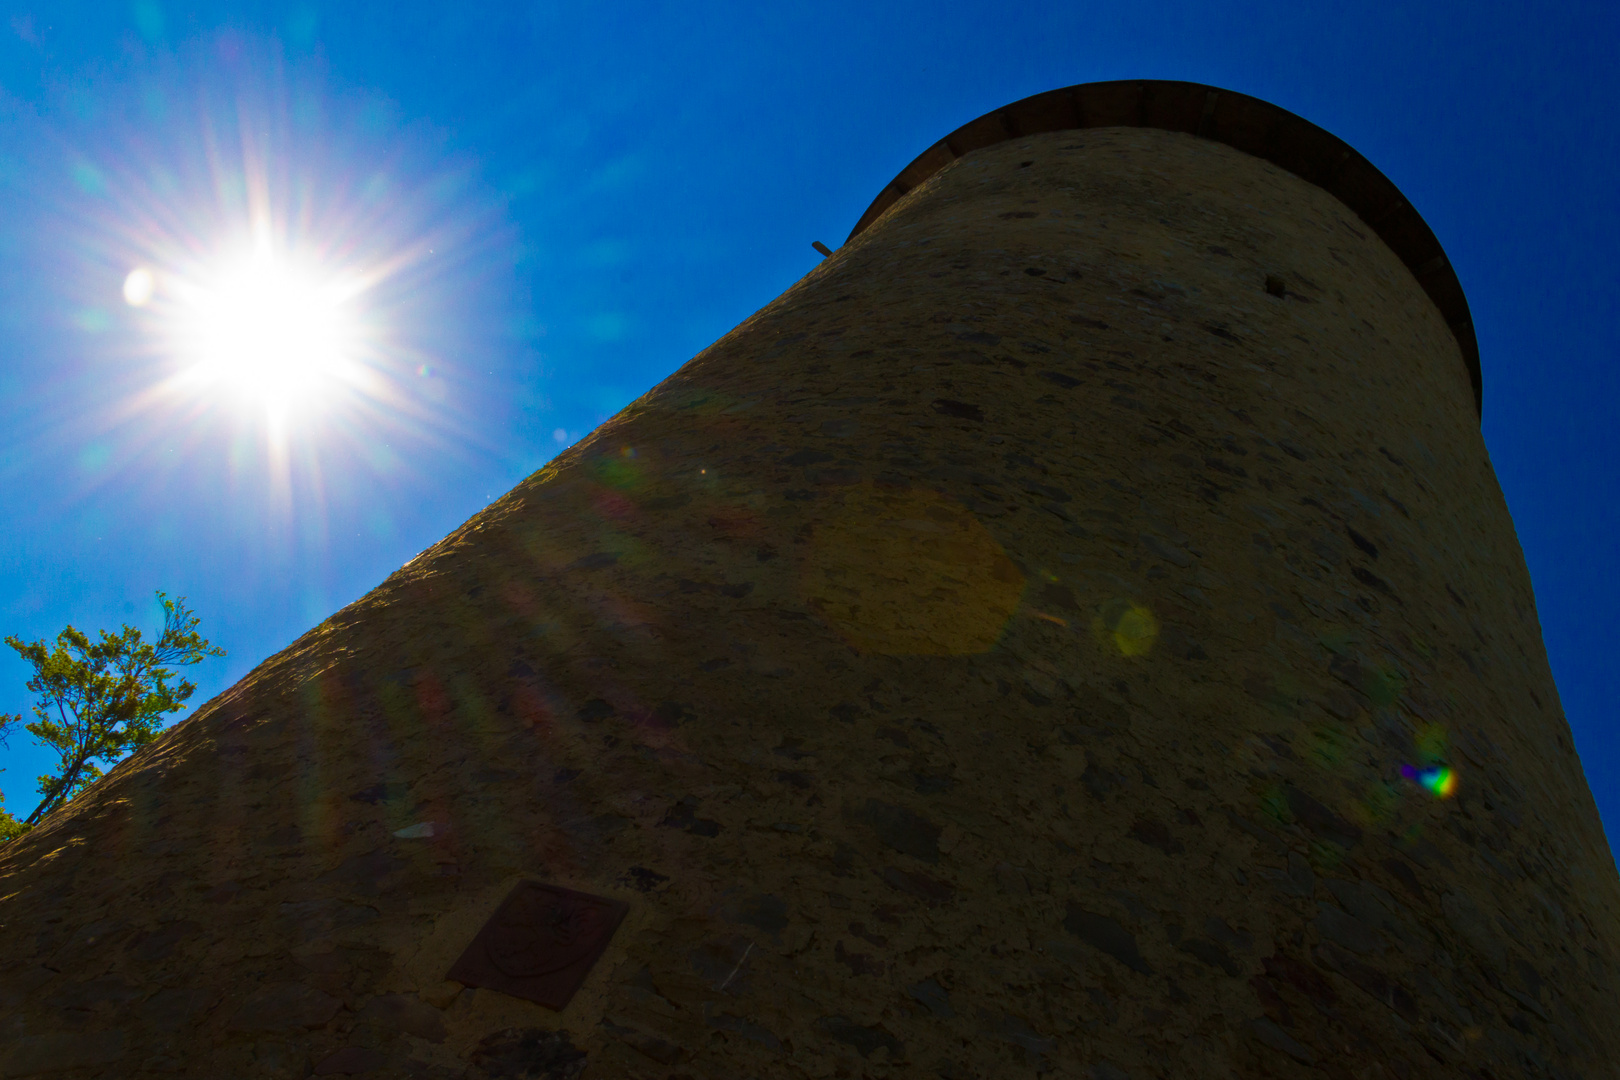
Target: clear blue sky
[572, 201]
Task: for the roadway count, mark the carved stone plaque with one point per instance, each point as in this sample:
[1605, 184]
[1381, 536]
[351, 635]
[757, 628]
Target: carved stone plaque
[540, 943]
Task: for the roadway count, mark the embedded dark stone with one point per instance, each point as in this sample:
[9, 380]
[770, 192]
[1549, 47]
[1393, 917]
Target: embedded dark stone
[1302, 977]
[376, 793]
[921, 886]
[1217, 929]
[1405, 875]
[1369, 579]
[350, 1060]
[927, 783]
[865, 1040]
[595, 709]
[959, 409]
[644, 880]
[858, 963]
[1369, 903]
[176, 1007]
[158, 944]
[404, 1012]
[1105, 935]
[723, 964]
[1362, 542]
[308, 919]
[1178, 644]
[1015, 1030]
[1377, 984]
[660, 1050]
[1098, 781]
[674, 713]
[901, 829]
[768, 913]
[896, 736]
[683, 816]
[1056, 494]
[365, 873]
[1167, 551]
[91, 995]
[56, 1052]
[1278, 1039]
[1212, 954]
[1154, 833]
[1320, 820]
[746, 1028]
[529, 1054]
[284, 1007]
[1349, 671]
[1345, 929]
[933, 997]
[790, 748]
[1060, 597]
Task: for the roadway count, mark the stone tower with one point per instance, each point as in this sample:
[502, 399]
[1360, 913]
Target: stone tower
[1074, 630]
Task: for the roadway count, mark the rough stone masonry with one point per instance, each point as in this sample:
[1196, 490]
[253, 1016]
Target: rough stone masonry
[1076, 630]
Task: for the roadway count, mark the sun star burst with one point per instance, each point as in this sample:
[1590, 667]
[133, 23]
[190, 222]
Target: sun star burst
[267, 328]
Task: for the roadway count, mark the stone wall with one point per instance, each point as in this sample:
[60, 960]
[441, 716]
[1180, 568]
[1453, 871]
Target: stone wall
[1038, 642]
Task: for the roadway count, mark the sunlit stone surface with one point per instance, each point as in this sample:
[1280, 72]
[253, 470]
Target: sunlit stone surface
[1028, 645]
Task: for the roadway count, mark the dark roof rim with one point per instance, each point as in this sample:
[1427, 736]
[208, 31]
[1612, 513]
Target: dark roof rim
[1245, 123]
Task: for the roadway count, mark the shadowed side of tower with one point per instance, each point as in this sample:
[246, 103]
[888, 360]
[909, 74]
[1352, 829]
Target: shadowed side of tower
[1039, 641]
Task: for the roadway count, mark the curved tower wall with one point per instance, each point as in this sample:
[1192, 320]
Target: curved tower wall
[1020, 647]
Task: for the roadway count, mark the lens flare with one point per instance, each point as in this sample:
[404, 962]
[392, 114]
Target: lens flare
[139, 286]
[1129, 627]
[910, 573]
[1438, 780]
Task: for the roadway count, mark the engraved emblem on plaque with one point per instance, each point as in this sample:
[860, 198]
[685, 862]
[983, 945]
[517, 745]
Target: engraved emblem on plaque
[540, 943]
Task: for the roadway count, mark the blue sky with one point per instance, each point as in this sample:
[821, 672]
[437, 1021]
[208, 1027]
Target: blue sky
[572, 201]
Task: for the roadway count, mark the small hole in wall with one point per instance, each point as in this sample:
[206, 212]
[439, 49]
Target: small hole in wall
[1025, 164]
[1275, 285]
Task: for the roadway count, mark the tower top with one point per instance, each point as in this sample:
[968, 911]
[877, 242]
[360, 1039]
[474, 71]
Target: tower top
[1245, 123]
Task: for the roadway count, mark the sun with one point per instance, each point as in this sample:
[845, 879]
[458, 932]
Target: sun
[265, 327]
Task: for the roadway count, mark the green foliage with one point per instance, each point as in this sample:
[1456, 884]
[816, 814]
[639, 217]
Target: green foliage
[101, 699]
[10, 827]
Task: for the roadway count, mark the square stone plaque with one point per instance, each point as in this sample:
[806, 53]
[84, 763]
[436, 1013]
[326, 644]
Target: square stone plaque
[540, 943]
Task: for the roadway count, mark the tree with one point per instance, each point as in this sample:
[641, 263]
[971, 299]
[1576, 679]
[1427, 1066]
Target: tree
[10, 827]
[98, 700]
